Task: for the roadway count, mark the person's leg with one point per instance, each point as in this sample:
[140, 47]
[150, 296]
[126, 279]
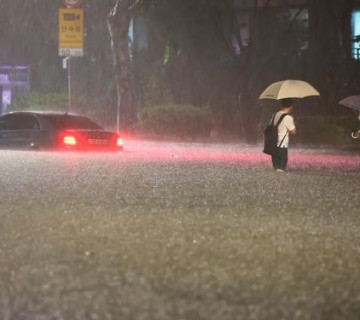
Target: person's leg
[275, 160]
[283, 158]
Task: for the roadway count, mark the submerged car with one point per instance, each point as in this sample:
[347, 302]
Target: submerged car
[54, 130]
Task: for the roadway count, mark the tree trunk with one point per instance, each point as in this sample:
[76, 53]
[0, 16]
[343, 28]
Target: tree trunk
[326, 57]
[119, 22]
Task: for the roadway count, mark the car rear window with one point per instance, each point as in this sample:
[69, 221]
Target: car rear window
[19, 122]
[73, 122]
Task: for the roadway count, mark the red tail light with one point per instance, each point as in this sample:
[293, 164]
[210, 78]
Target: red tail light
[69, 141]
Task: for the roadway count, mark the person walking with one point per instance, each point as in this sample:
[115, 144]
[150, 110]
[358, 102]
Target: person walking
[285, 128]
[356, 133]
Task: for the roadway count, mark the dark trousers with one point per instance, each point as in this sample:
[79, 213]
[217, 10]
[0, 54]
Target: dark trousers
[280, 159]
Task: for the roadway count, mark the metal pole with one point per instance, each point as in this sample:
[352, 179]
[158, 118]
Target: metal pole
[118, 110]
[69, 82]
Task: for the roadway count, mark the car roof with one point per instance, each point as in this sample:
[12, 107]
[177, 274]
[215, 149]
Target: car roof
[50, 113]
[59, 118]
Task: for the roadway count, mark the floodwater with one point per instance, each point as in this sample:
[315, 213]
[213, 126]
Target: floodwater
[168, 230]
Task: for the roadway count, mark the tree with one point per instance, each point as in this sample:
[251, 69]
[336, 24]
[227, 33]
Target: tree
[330, 65]
[195, 55]
[326, 57]
[201, 58]
[187, 60]
[119, 22]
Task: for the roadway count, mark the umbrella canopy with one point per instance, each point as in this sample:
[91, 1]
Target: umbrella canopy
[352, 102]
[289, 89]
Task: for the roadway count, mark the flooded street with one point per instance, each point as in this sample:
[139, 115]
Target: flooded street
[179, 231]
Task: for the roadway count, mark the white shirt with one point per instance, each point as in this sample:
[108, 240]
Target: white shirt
[286, 125]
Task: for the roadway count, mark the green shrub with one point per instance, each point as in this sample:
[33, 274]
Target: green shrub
[40, 101]
[51, 102]
[323, 131]
[97, 109]
[176, 121]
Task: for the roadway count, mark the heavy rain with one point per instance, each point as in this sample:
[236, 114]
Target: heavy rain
[191, 220]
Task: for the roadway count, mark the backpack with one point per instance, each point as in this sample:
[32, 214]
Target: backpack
[271, 136]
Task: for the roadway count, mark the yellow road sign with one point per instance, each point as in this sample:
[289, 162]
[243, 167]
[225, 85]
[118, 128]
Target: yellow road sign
[71, 32]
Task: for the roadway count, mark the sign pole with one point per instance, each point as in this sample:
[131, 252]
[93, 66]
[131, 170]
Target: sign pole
[71, 37]
[69, 81]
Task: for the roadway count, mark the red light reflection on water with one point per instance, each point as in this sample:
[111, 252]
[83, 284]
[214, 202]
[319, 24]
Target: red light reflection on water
[249, 156]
